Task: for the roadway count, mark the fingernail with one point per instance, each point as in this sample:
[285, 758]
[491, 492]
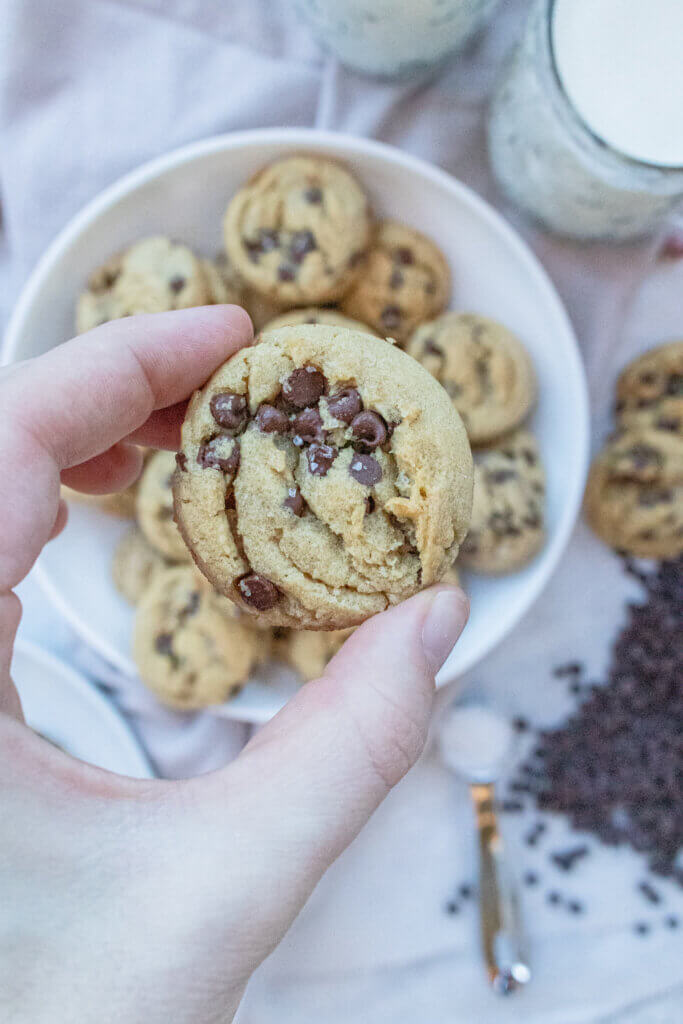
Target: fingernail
[443, 625]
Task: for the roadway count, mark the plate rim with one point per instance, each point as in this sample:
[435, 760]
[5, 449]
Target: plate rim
[344, 144]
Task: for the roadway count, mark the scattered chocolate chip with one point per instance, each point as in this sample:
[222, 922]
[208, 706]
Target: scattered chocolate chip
[404, 255]
[192, 606]
[575, 907]
[554, 898]
[264, 242]
[465, 891]
[221, 452]
[176, 284]
[520, 724]
[452, 907]
[257, 591]
[649, 892]
[181, 460]
[308, 425]
[345, 404]
[500, 476]
[369, 505]
[511, 806]
[571, 668]
[285, 273]
[531, 878]
[366, 470]
[320, 458]
[304, 387]
[301, 243]
[313, 195]
[229, 410]
[271, 420]
[164, 643]
[641, 928]
[390, 317]
[671, 921]
[369, 429]
[396, 279]
[295, 501]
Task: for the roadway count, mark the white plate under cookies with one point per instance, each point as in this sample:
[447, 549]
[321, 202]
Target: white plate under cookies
[184, 194]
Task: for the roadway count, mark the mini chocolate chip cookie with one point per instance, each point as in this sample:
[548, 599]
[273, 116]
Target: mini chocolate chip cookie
[406, 281]
[484, 368]
[152, 276]
[316, 315]
[323, 476]
[634, 497]
[650, 390]
[190, 645]
[135, 565]
[309, 651]
[507, 527]
[154, 506]
[299, 230]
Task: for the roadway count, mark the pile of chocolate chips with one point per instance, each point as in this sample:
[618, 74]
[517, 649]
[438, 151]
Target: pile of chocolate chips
[615, 766]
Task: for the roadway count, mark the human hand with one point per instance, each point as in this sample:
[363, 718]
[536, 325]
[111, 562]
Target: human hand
[134, 901]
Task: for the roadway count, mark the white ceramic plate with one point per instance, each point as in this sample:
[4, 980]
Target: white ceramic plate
[65, 708]
[184, 194]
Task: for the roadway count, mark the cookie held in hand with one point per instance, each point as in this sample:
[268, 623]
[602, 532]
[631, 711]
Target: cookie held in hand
[323, 476]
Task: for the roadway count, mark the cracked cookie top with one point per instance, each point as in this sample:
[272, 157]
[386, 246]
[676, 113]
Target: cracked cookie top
[323, 476]
[299, 230]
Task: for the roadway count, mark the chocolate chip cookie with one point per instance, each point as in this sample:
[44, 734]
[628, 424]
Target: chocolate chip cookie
[190, 645]
[222, 282]
[316, 315]
[634, 498]
[484, 368]
[299, 230]
[323, 476]
[154, 506]
[308, 651]
[507, 527]
[152, 276]
[405, 281]
[650, 390]
[135, 565]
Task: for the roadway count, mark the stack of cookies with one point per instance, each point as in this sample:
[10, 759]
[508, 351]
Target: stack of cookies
[634, 498]
[301, 247]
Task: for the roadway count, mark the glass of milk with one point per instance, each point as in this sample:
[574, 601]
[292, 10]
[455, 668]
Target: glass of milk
[395, 38]
[586, 126]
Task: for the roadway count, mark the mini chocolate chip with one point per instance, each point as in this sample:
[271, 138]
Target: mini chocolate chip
[164, 643]
[641, 928]
[345, 404]
[674, 384]
[176, 284]
[575, 907]
[181, 460]
[301, 243]
[369, 429]
[430, 348]
[210, 457]
[671, 921]
[466, 891]
[295, 501]
[404, 255]
[304, 386]
[390, 317]
[531, 878]
[192, 606]
[257, 591]
[452, 907]
[356, 257]
[308, 425]
[285, 273]
[229, 410]
[499, 476]
[265, 241]
[369, 505]
[313, 195]
[554, 898]
[366, 470]
[396, 280]
[320, 458]
[271, 420]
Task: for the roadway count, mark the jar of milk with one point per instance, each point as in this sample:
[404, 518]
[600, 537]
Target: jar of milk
[586, 126]
[395, 38]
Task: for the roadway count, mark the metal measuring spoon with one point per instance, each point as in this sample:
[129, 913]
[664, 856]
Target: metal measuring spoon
[475, 744]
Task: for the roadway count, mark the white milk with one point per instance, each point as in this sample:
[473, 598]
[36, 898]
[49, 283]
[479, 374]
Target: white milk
[621, 65]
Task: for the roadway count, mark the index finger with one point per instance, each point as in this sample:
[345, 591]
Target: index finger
[79, 399]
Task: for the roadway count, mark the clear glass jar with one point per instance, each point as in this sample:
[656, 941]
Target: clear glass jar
[550, 164]
[395, 38]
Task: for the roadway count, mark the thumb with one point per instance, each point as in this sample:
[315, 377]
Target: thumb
[306, 784]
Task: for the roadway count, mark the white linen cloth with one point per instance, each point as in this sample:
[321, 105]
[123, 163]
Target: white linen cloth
[88, 90]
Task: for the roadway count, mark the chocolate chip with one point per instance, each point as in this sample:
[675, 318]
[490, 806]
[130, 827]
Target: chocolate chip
[212, 454]
[575, 907]
[304, 386]
[500, 476]
[369, 429]
[257, 591]
[396, 280]
[265, 241]
[345, 404]
[465, 891]
[649, 892]
[390, 317]
[308, 425]
[671, 921]
[520, 724]
[430, 348]
[369, 505]
[641, 928]
[366, 470]
[181, 460]
[192, 606]
[301, 243]
[554, 898]
[164, 643]
[313, 195]
[295, 501]
[176, 284]
[404, 255]
[285, 273]
[531, 878]
[320, 458]
[271, 420]
[674, 385]
[566, 859]
[229, 410]
[230, 503]
[452, 907]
